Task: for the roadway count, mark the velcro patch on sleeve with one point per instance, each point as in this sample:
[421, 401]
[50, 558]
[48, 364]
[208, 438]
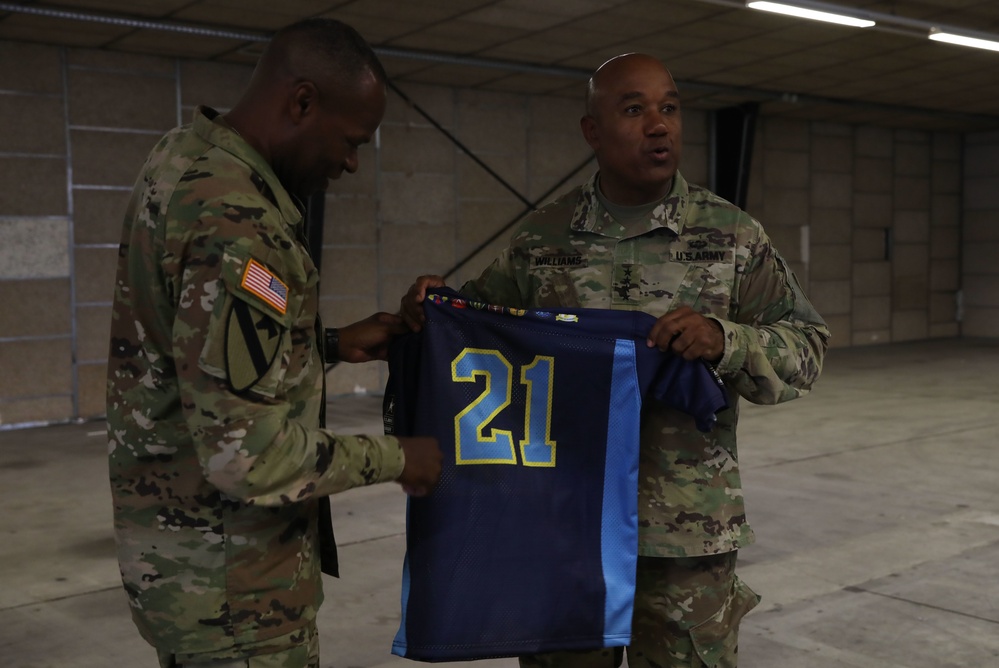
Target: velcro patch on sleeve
[260, 281]
[252, 343]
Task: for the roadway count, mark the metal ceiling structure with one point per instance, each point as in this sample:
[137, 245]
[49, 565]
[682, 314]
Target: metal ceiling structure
[721, 53]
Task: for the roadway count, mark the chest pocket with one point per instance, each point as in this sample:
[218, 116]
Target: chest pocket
[249, 335]
[702, 279]
[554, 287]
[706, 285]
[556, 276]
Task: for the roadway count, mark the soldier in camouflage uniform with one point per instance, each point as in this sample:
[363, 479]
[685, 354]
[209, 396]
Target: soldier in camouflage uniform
[218, 463]
[637, 236]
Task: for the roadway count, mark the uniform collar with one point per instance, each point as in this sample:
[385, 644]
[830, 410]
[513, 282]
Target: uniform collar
[210, 126]
[589, 216]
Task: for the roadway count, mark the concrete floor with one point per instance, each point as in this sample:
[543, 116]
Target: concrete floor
[875, 502]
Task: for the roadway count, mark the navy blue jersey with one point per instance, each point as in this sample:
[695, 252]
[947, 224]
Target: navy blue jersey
[529, 542]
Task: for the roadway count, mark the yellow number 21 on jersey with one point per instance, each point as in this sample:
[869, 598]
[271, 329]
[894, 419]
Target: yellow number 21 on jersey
[472, 445]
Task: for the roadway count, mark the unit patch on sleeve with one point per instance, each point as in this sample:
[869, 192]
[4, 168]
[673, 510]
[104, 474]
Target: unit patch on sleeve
[260, 281]
[252, 342]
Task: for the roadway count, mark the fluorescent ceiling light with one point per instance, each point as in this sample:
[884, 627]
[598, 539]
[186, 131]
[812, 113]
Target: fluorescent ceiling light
[951, 38]
[801, 12]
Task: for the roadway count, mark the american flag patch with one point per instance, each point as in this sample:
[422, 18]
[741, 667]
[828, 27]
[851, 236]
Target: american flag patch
[258, 280]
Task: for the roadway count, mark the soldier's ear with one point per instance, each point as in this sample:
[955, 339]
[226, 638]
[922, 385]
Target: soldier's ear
[304, 100]
[591, 134]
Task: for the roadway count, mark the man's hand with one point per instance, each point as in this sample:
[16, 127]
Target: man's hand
[688, 334]
[412, 303]
[423, 465]
[369, 339]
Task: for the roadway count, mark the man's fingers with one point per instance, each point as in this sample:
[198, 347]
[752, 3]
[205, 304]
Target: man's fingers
[666, 330]
[422, 469]
[687, 334]
[411, 308]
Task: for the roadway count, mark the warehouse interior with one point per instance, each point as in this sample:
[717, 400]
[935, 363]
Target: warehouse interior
[870, 155]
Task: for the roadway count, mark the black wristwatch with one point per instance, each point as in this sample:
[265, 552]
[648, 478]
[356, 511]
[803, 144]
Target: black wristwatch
[332, 348]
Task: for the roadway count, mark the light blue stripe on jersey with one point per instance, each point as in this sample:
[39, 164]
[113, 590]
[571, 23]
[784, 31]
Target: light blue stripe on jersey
[399, 643]
[619, 524]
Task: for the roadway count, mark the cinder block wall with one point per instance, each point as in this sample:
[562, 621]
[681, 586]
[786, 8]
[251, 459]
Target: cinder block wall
[76, 125]
[980, 267]
[869, 219]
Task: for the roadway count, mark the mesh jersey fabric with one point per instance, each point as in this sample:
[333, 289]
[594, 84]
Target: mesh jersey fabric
[529, 542]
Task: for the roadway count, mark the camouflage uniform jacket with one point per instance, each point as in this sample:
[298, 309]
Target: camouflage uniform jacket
[696, 250]
[215, 387]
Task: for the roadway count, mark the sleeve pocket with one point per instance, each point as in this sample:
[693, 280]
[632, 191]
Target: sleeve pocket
[248, 344]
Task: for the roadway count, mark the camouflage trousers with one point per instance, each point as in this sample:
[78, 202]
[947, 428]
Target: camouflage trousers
[299, 649]
[687, 614]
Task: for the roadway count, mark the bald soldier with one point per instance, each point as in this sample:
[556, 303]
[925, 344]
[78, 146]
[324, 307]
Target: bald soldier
[219, 466]
[637, 236]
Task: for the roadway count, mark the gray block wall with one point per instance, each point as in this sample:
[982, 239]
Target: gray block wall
[76, 125]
